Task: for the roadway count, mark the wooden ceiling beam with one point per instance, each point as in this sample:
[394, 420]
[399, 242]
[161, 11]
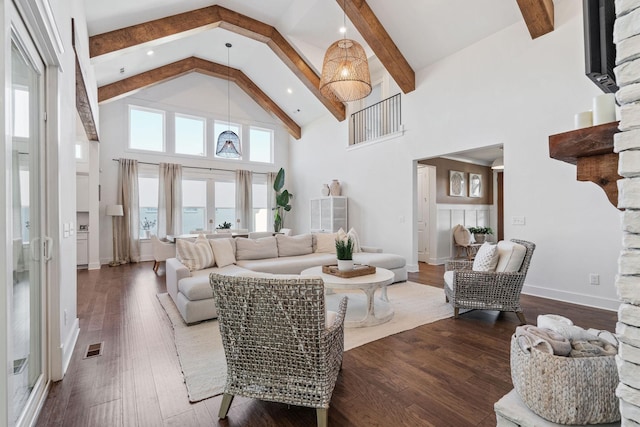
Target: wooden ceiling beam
[185, 24]
[171, 71]
[538, 15]
[368, 25]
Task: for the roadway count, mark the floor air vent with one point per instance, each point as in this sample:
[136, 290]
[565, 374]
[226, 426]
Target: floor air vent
[93, 350]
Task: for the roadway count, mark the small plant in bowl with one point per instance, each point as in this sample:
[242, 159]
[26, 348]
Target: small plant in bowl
[480, 233]
[224, 226]
[344, 253]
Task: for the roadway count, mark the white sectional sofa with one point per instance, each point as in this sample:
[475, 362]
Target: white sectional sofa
[192, 294]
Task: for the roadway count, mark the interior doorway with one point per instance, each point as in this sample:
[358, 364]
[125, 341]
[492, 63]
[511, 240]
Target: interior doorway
[476, 199]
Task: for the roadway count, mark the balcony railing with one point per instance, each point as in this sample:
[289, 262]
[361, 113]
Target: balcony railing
[376, 121]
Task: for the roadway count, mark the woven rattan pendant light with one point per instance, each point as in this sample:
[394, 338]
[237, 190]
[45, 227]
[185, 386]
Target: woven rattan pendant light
[228, 145]
[345, 70]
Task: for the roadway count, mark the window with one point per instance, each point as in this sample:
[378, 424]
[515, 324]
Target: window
[190, 135]
[260, 207]
[261, 145]
[225, 203]
[21, 110]
[148, 197]
[146, 129]
[194, 205]
[219, 127]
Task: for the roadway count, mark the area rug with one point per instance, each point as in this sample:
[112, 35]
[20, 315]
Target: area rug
[201, 354]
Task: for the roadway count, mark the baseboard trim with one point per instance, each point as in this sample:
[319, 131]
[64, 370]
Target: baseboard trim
[572, 297]
[412, 268]
[94, 266]
[67, 347]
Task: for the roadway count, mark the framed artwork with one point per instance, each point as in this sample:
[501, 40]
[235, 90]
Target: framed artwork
[475, 185]
[457, 184]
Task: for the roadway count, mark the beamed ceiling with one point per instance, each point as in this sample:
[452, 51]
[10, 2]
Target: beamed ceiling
[279, 44]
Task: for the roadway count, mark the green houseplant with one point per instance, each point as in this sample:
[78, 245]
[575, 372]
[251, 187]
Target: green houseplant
[344, 253]
[282, 201]
[480, 233]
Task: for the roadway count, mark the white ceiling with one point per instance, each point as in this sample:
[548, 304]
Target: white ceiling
[424, 31]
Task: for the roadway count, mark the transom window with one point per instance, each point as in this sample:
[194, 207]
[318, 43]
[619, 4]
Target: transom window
[190, 135]
[260, 145]
[146, 129]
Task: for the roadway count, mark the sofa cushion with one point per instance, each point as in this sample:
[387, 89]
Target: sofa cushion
[288, 265]
[265, 247]
[326, 243]
[294, 245]
[223, 251]
[195, 255]
[382, 260]
[197, 287]
[487, 258]
[510, 256]
[448, 279]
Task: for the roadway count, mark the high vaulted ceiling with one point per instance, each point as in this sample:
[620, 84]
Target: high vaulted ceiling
[424, 32]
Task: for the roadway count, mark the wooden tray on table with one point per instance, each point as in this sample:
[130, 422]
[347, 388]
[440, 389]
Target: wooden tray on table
[358, 270]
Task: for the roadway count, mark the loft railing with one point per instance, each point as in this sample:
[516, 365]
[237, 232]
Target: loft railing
[377, 120]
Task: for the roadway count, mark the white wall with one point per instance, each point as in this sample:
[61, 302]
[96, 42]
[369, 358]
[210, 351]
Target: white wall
[195, 94]
[506, 89]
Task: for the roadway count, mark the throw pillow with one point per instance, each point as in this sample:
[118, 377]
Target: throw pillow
[486, 258]
[223, 252]
[511, 255]
[262, 248]
[461, 235]
[326, 243]
[294, 245]
[355, 239]
[195, 255]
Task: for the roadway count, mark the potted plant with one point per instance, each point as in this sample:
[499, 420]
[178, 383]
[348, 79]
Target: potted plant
[480, 233]
[282, 201]
[224, 226]
[344, 253]
[147, 225]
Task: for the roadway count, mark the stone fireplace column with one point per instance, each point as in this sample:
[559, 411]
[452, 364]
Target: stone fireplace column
[627, 144]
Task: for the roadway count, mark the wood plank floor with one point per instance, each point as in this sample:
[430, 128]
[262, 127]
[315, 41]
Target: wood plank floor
[448, 373]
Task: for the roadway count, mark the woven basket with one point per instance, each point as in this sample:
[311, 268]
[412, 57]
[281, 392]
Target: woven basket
[566, 390]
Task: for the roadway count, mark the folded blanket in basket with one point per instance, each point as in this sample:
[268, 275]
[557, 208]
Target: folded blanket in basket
[592, 348]
[545, 340]
[564, 327]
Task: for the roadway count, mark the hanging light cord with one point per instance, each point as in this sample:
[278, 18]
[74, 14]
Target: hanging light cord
[228, 90]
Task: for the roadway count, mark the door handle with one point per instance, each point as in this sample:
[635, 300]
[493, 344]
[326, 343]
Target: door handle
[47, 249]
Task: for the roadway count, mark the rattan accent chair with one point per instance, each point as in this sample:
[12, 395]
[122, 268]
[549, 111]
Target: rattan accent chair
[487, 290]
[276, 343]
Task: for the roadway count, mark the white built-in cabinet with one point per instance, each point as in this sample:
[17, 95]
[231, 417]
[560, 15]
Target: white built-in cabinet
[328, 214]
[82, 242]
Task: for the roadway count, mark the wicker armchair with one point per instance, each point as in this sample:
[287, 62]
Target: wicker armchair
[487, 290]
[276, 343]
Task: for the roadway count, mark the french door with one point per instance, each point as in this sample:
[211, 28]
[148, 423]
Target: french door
[25, 177]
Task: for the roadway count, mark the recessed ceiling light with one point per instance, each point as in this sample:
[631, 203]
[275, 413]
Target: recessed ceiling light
[343, 30]
[149, 52]
[289, 90]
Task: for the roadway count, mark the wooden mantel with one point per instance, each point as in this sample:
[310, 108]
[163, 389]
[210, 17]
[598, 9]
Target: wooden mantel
[591, 150]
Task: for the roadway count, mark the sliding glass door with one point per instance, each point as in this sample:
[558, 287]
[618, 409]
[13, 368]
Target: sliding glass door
[25, 295]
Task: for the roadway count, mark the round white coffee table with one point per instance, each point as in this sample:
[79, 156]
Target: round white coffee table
[362, 310]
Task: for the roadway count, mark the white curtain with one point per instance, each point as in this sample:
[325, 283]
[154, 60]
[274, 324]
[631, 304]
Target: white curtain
[128, 226]
[244, 198]
[170, 200]
[271, 196]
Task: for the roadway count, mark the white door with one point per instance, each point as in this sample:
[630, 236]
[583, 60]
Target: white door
[423, 214]
[26, 226]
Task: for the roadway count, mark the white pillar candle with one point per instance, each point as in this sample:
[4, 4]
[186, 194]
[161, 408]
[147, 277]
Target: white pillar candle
[604, 109]
[583, 120]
